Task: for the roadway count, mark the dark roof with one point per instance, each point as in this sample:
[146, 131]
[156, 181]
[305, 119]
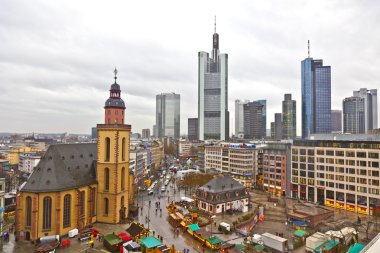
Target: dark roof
[134, 229]
[115, 87]
[221, 184]
[115, 102]
[64, 166]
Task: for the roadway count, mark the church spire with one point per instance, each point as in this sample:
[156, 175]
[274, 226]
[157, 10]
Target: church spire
[215, 43]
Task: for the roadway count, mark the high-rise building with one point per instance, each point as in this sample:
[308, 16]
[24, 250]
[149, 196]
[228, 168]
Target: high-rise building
[94, 133]
[336, 121]
[278, 126]
[192, 129]
[253, 120]
[239, 117]
[316, 97]
[213, 115]
[263, 102]
[146, 133]
[370, 107]
[155, 132]
[168, 115]
[272, 131]
[289, 117]
[353, 115]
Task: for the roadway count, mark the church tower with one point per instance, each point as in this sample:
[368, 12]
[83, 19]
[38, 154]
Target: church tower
[114, 180]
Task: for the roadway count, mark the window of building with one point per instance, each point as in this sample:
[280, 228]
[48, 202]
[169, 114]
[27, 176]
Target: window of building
[82, 203]
[361, 154]
[93, 201]
[123, 178]
[330, 152]
[46, 217]
[373, 155]
[106, 203]
[28, 211]
[122, 201]
[66, 210]
[108, 149]
[123, 149]
[106, 179]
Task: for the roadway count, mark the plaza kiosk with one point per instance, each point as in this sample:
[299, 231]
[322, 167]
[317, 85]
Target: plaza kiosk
[112, 242]
[149, 244]
[137, 231]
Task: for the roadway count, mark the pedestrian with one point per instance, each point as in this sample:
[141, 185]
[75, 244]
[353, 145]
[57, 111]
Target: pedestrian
[203, 250]
[156, 211]
[154, 232]
[168, 199]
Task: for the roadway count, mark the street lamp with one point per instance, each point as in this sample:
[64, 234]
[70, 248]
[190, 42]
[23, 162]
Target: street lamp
[212, 221]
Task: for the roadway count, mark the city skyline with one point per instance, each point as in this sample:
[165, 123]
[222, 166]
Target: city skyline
[57, 59]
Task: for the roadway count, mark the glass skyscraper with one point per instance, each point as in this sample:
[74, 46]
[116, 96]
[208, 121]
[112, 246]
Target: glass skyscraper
[353, 115]
[168, 115]
[316, 97]
[213, 115]
[289, 117]
[370, 107]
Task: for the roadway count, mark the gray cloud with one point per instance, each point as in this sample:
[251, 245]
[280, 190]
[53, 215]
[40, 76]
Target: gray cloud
[57, 57]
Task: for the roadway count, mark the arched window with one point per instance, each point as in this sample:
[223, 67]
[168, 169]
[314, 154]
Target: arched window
[46, 222]
[123, 149]
[105, 206]
[108, 149]
[28, 211]
[106, 179]
[122, 201]
[66, 210]
[123, 178]
[82, 202]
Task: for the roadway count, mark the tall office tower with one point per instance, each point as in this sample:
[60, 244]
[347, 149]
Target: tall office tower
[370, 107]
[168, 115]
[155, 132]
[192, 129]
[253, 121]
[336, 121]
[263, 102]
[316, 96]
[213, 115]
[239, 117]
[354, 115]
[278, 126]
[289, 117]
[272, 131]
[145, 133]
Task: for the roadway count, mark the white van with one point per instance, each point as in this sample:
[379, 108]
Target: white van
[226, 226]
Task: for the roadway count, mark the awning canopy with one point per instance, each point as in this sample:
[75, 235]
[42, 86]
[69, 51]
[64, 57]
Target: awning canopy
[150, 242]
[214, 240]
[194, 227]
[300, 223]
[301, 233]
[356, 248]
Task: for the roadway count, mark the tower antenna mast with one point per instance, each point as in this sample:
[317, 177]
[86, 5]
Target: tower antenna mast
[308, 48]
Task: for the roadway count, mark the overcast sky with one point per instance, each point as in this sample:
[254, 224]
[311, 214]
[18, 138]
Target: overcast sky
[57, 57]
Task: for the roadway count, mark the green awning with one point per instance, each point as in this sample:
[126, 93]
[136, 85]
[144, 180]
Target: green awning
[214, 240]
[150, 242]
[259, 247]
[301, 233]
[327, 245]
[194, 227]
[112, 239]
[239, 246]
[356, 248]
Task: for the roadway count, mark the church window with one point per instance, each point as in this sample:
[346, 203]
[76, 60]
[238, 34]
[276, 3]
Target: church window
[28, 211]
[123, 149]
[93, 199]
[108, 149]
[122, 201]
[46, 222]
[123, 178]
[106, 206]
[66, 210]
[106, 179]
[82, 203]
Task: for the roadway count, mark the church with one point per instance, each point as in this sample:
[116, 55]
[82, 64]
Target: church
[76, 185]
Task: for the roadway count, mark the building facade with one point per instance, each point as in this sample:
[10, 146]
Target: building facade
[213, 114]
[221, 194]
[145, 133]
[236, 159]
[354, 115]
[184, 148]
[316, 97]
[168, 115]
[370, 107]
[340, 174]
[239, 118]
[276, 167]
[192, 129]
[289, 117]
[75, 185]
[28, 161]
[253, 120]
[278, 126]
[336, 121]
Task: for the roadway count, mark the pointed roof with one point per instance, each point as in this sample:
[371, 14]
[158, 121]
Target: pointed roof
[221, 184]
[64, 166]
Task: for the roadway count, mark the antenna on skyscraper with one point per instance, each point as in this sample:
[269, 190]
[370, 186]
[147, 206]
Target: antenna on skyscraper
[308, 48]
[215, 24]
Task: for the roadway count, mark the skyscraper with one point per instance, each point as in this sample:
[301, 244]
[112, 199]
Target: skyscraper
[253, 120]
[316, 97]
[336, 121]
[192, 129]
[353, 115]
[213, 115]
[370, 107]
[145, 133]
[239, 118]
[278, 126]
[168, 115]
[289, 117]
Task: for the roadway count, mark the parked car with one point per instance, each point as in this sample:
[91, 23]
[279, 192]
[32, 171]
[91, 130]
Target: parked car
[163, 188]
